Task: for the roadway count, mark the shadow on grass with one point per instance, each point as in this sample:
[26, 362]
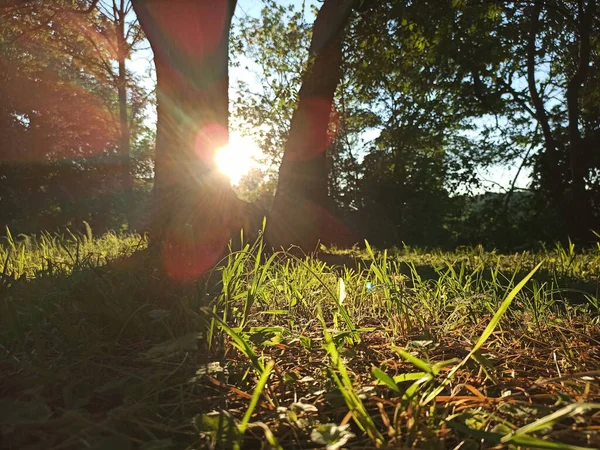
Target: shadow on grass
[82, 365]
[113, 355]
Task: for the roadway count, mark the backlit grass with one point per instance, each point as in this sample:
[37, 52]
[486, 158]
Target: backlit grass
[355, 349]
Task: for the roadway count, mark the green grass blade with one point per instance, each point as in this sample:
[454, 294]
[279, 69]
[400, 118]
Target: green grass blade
[385, 379]
[238, 341]
[419, 363]
[551, 419]
[502, 310]
[531, 442]
[485, 335]
[411, 391]
[260, 386]
[342, 379]
[525, 441]
[409, 377]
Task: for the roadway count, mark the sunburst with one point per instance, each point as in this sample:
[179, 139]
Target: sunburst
[236, 159]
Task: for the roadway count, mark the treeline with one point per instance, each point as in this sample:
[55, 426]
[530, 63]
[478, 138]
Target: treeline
[432, 91]
[73, 137]
[425, 94]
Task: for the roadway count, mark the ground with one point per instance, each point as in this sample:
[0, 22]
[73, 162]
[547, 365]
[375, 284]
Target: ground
[344, 349]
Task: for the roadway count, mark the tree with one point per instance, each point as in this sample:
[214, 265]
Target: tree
[192, 122]
[58, 134]
[273, 48]
[396, 187]
[122, 34]
[80, 42]
[115, 35]
[422, 116]
[301, 211]
[580, 146]
[195, 209]
[451, 89]
[120, 12]
[550, 62]
[514, 73]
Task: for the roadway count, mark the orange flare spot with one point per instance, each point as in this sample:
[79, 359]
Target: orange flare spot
[210, 138]
[313, 122]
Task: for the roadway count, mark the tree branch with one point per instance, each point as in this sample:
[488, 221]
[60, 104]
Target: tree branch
[540, 110]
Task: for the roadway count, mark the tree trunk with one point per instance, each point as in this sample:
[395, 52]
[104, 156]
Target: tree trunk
[580, 214]
[301, 214]
[552, 179]
[125, 138]
[195, 208]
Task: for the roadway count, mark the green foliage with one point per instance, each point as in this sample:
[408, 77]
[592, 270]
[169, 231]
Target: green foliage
[273, 47]
[429, 95]
[339, 373]
[401, 85]
[59, 118]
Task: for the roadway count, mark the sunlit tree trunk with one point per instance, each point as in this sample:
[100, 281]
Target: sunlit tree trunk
[195, 208]
[301, 214]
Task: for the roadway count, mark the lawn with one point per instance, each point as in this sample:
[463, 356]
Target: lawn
[357, 348]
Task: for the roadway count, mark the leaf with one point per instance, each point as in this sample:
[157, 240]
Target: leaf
[220, 426]
[241, 343]
[304, 407]
[369, 250]
[211, 368]
[385, 379]
[260, 386]
[419, 363]
[332, 436]
[276, 312]
[439, 366]
[523, 440]
[485, 335]
[531, 442]
[490, 438]
[409, 377]
[502, 309]
[551, 419]
[306, 342]
[412, 389]
[186, 343]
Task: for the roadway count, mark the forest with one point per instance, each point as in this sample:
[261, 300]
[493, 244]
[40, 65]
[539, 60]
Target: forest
[299, 224]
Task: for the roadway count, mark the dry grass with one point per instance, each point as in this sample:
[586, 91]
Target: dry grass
[276, 351]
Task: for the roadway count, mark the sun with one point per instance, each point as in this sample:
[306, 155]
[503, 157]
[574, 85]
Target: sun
[236, 159]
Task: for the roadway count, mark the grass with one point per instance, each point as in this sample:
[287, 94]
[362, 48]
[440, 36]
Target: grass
[352, 348]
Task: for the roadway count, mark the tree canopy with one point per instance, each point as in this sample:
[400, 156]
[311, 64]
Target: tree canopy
[429, 95]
